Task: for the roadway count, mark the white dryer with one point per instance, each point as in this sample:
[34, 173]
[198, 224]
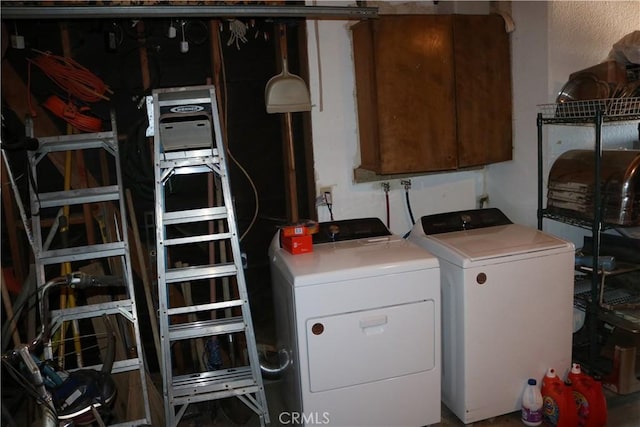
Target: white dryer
[507, 307]
[359, 318]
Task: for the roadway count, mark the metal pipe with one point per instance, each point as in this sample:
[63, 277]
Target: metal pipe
[596, 229]
[16, 193]
[540, 170]
[45, 401]
[290, 162]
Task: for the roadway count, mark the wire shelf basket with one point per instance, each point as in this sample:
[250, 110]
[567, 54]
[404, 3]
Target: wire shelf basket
[612, 109]
[613, 294]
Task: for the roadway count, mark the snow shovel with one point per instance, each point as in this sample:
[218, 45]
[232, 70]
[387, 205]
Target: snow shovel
[285, 92]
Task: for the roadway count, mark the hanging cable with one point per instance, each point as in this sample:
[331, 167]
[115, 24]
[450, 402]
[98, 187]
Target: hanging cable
[328, 200]
[75, 79]
[238, 31]
[407, 186]
[184, 44]
[226, 143]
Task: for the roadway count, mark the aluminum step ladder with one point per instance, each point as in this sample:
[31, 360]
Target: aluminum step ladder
[47, 203]
[189, 155]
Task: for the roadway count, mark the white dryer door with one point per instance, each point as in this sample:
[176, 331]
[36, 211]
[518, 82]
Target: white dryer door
[370, 345]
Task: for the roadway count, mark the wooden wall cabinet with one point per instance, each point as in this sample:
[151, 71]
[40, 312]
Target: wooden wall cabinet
[433, 92]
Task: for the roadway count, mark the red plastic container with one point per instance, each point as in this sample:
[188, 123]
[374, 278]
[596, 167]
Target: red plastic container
[590, 400]
[558, 404]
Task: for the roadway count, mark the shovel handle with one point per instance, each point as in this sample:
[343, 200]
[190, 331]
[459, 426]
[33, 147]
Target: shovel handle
[284, 54]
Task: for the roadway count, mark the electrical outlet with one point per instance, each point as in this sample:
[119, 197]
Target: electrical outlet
[325, 197]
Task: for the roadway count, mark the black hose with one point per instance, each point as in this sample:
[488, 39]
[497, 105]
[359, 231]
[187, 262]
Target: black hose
[82, 281]
[406, 194]
[137, 170]
[107, 363]
[386, 196]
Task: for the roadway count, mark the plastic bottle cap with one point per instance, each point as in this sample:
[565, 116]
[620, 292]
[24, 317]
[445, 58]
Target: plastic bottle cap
[551, 373]
[575, 368]
[532, 381]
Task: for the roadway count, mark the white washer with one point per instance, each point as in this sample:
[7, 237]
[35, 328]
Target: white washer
[507, 307]
[360, 320]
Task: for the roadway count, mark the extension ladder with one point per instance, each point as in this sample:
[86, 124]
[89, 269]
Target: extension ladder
[190, 152]
[47, 213]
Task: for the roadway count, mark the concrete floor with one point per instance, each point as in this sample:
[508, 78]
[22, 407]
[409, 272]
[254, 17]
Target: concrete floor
[623, 411]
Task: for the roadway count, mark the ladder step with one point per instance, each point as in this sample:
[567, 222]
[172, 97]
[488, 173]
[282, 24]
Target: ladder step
[124, 307]
[182, 97]
[81, 141]
[189, 162]
[194, 215]
[234, 381]
[205, 307]
[185, 157]
[190, 154]
[187, 170]
[186, 274]
[125, 365]
[204, 328]
[79, 253]
[79, 196]
[197, 239]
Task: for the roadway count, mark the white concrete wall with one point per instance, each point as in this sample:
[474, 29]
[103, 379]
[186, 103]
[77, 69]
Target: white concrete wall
[551, 40]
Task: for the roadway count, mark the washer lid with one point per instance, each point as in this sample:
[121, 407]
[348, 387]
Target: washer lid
[353, 259]
[492, 244]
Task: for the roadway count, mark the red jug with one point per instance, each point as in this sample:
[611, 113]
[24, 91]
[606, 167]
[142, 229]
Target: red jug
[590, 400]
[558, 404]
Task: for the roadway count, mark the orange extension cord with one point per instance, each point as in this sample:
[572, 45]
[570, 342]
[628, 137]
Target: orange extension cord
[73, 115]
[78, 82]
[75, 79]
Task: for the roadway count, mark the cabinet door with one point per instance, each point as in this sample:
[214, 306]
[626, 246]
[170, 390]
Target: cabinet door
[482, 89]
[365, 76]
[433, 92]
[406, 108]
